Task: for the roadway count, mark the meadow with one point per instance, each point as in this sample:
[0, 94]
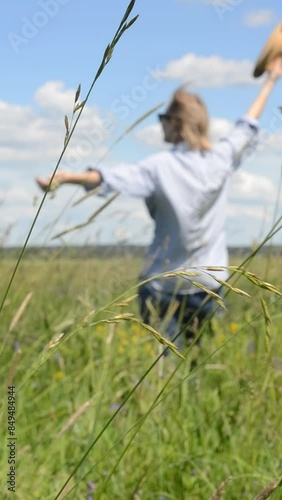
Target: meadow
[92, 410]
[99, 416]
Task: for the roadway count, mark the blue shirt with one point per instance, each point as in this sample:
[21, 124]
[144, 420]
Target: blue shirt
[186, 195]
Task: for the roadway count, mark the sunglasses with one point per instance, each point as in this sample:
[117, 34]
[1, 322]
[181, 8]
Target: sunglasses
[164, 117]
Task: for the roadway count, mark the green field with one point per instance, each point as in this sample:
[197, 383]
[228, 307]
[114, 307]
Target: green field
[94, 408]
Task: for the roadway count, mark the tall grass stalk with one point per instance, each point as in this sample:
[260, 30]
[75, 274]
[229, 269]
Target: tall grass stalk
[123, 27]
[109, 308]
[156, 401]
[158, 412]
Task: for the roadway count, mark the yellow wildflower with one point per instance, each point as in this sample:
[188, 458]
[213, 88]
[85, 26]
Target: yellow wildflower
[220, 338]
[59, 375]
[233, 327]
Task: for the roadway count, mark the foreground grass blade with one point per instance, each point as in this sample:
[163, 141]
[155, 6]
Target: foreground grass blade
[20, 312]
[90, 219]
[105, 60]
[157, 400]
[273, 490]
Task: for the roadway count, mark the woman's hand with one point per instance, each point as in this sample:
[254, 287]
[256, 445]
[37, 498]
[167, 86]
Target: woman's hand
[58, 179]
[274, 68]
[87, 179]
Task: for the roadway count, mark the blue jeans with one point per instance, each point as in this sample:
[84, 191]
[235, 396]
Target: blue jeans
[184, 313]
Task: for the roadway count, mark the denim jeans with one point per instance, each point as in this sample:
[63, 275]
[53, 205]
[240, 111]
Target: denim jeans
[176, 313]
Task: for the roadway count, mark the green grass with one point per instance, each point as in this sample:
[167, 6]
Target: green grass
[180, 434]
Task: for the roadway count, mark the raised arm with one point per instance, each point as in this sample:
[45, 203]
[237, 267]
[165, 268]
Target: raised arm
[274, 73]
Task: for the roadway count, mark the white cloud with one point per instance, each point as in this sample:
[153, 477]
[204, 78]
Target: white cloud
[249, 186]
[36, 134]
[268, 148]
[15, 195]
[271, 141]
[212, 71]
[258, 18]
[219, 127]
[31, 140]
[54, 97]
[151, 136]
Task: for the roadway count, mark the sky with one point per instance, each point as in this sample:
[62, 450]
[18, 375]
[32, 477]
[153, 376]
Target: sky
[50, 47]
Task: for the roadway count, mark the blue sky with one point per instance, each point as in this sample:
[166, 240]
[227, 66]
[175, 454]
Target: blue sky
[48, 47]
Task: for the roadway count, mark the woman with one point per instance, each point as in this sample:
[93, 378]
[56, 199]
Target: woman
[185, 190]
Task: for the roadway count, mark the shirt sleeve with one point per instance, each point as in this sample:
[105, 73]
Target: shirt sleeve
[133, 179]
[241, 141]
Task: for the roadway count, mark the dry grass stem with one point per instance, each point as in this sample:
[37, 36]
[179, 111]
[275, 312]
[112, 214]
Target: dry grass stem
[54, 342]
[267, 322]
[20, 312]
[220, 490]
[74, 417]
[269, 490]
[90, 219]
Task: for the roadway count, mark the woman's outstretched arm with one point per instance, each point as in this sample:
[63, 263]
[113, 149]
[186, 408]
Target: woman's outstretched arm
[274, 73]
[90, 179]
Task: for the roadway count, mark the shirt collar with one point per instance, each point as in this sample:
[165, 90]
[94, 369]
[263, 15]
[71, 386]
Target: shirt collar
[181, 146]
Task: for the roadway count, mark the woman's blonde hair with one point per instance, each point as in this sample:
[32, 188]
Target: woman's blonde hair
[192, 119]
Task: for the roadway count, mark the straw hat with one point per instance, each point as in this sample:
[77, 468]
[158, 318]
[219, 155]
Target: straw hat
[271, 50]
